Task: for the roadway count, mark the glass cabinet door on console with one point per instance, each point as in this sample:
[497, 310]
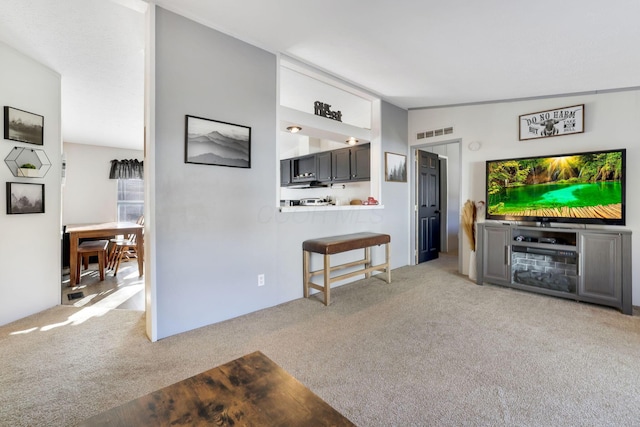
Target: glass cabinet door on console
[600, 267]
[496, 257]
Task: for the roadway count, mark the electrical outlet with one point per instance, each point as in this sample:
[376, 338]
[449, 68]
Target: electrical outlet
[260, 279]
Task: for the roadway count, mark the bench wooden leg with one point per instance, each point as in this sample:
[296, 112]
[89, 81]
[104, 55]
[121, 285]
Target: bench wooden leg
[367, 261]
[306, 255]
[387, 251]
[327, 279]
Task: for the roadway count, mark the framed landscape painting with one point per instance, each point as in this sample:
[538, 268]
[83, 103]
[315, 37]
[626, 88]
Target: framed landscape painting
[395, 167]
[25, 198]
[23, 126]
[211, 142]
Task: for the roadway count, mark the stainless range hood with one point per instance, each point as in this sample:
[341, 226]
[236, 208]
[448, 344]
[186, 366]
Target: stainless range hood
[310, 184]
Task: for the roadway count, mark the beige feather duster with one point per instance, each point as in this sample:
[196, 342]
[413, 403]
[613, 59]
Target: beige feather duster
[469, 222]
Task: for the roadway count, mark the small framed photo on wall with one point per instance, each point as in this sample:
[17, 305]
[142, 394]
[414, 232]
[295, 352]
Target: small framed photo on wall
[25, 198]
[23, 126]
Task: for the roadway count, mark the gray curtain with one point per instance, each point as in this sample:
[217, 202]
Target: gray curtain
[126, 169]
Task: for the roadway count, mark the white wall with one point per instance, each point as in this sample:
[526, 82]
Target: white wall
[611, 121]
[88, 195]
[210, 246]
[395, 195]
[299, 91]
[30, 247]
[217, 228]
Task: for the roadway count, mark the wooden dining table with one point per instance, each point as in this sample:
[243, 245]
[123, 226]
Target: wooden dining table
[105, 230]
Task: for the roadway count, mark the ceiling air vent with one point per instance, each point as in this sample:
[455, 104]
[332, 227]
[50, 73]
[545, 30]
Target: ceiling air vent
[435, 132]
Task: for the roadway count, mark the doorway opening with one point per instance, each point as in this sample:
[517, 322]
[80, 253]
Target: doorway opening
[113, 214]
[448, 221]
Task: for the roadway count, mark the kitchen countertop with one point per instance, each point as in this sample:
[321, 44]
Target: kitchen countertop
[328, 208]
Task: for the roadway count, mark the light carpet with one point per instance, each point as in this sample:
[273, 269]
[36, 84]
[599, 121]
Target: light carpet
[430, 349]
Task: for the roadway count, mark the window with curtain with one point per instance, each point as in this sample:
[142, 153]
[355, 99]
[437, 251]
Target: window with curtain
[126, 169]
[129, 173]
[130, 199]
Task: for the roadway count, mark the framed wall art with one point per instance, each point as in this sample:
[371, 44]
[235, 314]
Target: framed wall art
[395, 167]
[562, 121]
[25, 198]
[23, 126]
[211, 142]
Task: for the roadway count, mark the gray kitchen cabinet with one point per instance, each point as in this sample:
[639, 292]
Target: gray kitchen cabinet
[361, 163]
[341, 165]
[285, 172]
[303, 169]
[324, 166]
[298, 170]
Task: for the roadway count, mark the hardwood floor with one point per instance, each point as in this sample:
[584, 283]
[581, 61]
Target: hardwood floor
[125, 291]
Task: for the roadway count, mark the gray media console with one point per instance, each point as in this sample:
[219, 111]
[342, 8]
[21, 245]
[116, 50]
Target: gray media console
[590, 265]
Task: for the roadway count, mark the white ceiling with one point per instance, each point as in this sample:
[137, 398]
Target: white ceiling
[97, 46]
[413, 53]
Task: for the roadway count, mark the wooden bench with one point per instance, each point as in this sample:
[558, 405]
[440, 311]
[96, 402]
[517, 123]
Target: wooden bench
[328, 246]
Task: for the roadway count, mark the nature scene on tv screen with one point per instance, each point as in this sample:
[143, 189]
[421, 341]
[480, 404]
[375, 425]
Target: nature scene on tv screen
[580, 186]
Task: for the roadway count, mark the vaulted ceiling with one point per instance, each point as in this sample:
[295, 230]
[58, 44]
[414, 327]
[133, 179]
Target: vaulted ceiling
[411, 53]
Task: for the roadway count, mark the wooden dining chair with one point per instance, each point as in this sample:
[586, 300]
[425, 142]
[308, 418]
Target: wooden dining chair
[123, 250]
[90, 248]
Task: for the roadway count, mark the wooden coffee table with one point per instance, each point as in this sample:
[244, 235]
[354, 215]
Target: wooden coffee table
[249, 391]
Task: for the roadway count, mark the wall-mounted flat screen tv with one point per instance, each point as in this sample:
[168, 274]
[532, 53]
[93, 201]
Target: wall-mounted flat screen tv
[584, 188]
